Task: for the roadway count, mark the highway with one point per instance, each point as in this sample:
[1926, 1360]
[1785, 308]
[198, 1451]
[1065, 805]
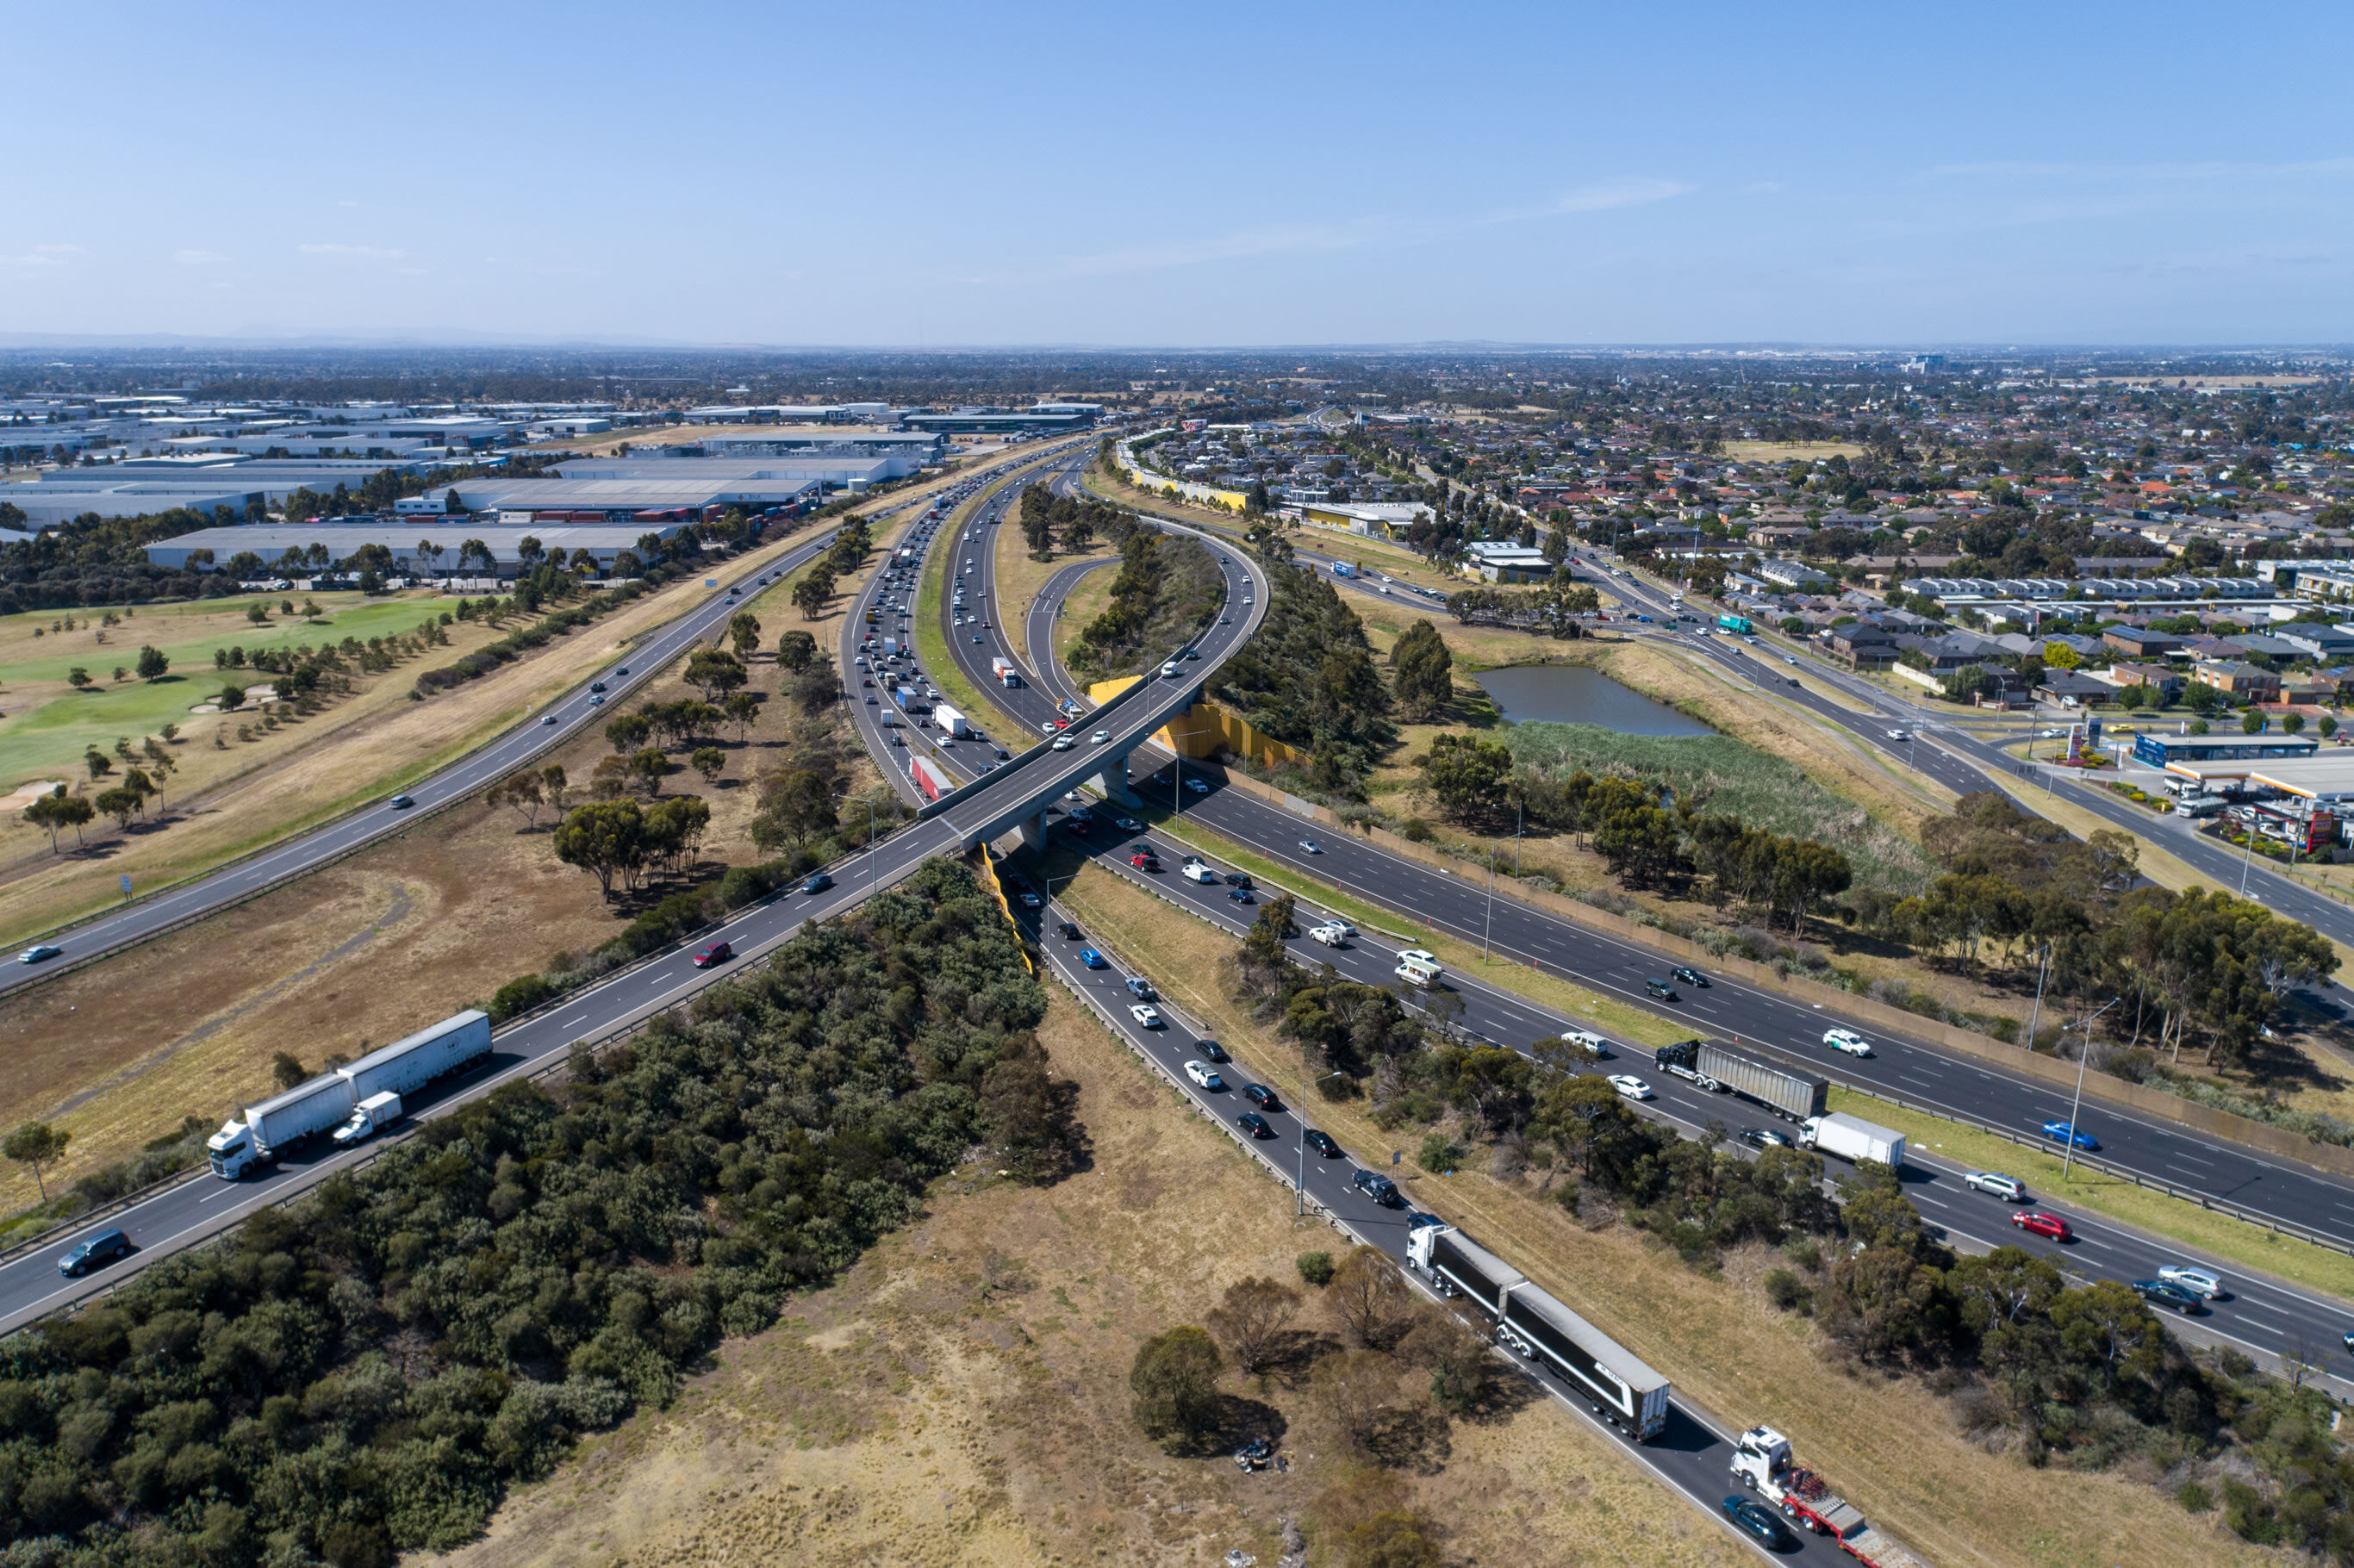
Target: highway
[2266, 1318]
[530, 737]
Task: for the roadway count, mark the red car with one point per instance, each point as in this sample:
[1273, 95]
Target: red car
[1145, 862]
[2051, 1226]
[717, 953]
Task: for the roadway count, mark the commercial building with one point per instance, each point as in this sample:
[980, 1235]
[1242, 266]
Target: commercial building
[342, 539]
[2165, 750]
[854, 472]
[2328, 779]
[997, 421]
[1371, 519]
[620, 501]
[921, 448]
[1499, 563]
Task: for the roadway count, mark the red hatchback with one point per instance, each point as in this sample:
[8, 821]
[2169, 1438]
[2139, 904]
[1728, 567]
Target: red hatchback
[2051, 1226]
[717, 953]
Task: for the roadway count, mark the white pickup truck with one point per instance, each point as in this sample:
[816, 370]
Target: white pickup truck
[1332, 933]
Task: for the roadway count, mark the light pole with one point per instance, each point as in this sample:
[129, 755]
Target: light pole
[2247, 859]
[2042, 967]
[2083, 1057]
[1300, 1191]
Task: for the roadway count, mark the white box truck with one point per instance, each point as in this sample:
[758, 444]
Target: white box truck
[1853, 1138]
[948, 719]
[1002, 668]
[277, 1124]
[370, 1116]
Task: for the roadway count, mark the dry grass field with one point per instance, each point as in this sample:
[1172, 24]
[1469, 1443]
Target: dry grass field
[1019, 578]
[1728, 1349]
[961, 1397]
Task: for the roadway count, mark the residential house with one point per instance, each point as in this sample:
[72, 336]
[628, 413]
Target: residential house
[2138, 643]
[2067, 686]
[2316, 641]
[2240, 679]
[1864, 645]
[2165, 679]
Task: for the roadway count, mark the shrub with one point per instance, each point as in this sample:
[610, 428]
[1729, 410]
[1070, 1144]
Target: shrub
[1786, 1289]
[1417, 831]
[1315, 1267]
[1439, 1154]
[518, 996]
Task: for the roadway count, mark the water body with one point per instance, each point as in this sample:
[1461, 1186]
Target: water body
[1573, 694]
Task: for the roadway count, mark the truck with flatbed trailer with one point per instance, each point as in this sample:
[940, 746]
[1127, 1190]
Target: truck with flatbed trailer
[1764, 1461]
[1534, 1325]
[267, 1129]
[1796, 1096]
[1852, 1139]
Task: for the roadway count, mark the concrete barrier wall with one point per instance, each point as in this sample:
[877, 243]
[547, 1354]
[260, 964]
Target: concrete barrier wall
[1203, 730]
[2015, 1059]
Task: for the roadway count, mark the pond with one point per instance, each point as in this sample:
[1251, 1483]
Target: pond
[1573, 694]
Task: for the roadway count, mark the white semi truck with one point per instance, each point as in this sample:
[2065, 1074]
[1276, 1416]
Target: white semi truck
[948, 719]
[1763, 1462]
[1852, 1139]
[329, 1100]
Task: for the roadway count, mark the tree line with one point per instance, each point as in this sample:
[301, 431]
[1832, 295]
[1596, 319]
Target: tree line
[1308, 679]
[366, 1371]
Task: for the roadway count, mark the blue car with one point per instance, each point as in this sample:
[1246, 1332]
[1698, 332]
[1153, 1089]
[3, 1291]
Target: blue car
[2060, 1132]
[818, 883]
[1091, 958]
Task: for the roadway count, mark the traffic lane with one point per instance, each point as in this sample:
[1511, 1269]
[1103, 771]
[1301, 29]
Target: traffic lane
[1690, 1456]
[529, 739]
[1902, 1068]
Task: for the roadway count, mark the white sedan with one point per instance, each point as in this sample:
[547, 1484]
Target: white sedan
[1847, 1040]
[1101, 737]
[1150, 1017]
[1631, 1086]
[1206, 1076]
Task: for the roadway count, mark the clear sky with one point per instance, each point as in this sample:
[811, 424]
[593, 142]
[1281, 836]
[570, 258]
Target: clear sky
[1195, 174]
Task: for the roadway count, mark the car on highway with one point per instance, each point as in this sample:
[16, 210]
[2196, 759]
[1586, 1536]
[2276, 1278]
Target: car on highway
[2061, 1132]
[1241, 895]
[2165, 1293]
[1689, 976]
[1255, 1124]
[1630, 1086]
[1201, 1072]
[1211, 1051]
[94, 1251]
[818, 883]
[1379, 1188]
[716, 953]
[1333, 934]
[1092, 958]
[1847, 1040]
[597, 702]
[400, 802]
[1311, 846]
[1146, 1015]
[1145, 860]
[1141, 989]
[1069, 932]
[2205, 1282]
[1061, 743]
[1661, 990]
[549, 719]
[1765, 1137]
[2009, 1189]
[1262, 1097]
[1128, 825]
[1755, 1519]
[40, 952]
[1100, 737]
[2035, 1222]
[596, 685]
[1321, 1142]
[1051, 725]
[621, 671]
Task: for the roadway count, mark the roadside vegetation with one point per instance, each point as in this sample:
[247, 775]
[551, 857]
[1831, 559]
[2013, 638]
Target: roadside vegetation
[1166, 590]
[1309, 680]
[366, 1371]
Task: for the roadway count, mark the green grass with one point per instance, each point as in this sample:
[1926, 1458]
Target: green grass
[50, 739]
[1720, 774]
[2178, 1219]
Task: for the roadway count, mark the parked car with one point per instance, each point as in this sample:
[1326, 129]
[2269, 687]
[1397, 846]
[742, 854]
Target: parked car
[1847, 1040]
[1262, 1097]
[716, 953]
[94, 1251]
[1091, 958]
[2037, 1223]
[1150, 1017]
[1321, 1142]
[1255, 1124]
[1379, 1188]
[2165, 1293]
[1631, 1086]
[1690, 977]
[1765, 1138]
[1205, 1075]
[2061, 1132]
[2205, 1282]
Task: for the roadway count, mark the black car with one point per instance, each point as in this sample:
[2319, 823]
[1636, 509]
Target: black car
[1379, 1188]
[1240, 879]
[2165, 1293]
[1690, 977]
[1765, 1137]
[1241, 895]
[1755, 1518]
[1070, 933]
[1211, 1051]
[94, 1251]
[1254, 1124]
[1262, 1097]
[1321, 1142]
[818, 883]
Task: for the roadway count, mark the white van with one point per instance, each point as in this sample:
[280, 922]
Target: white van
[1418, 967]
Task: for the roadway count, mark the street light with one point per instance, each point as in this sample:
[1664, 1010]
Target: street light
[2083, 1057]
[1300, 1191]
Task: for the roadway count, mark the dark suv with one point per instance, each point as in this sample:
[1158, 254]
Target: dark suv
[95, 1251]
[1262, 1097]
[1379, 1188]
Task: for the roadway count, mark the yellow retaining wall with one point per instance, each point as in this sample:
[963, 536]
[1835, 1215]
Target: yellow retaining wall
[1203, 730]
[997, 891]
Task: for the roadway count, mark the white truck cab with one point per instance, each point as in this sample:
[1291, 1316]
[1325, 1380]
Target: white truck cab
[370, 1116]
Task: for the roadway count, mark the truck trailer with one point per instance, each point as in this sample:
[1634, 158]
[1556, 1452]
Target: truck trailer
[1796, 1096]
[271, 1127]
[1533, 1324]
[1764, 1461]
[1004, 668]
[948, 719]
[1852, 1139]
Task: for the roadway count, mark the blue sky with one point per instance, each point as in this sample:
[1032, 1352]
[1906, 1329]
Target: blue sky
[1206, 174]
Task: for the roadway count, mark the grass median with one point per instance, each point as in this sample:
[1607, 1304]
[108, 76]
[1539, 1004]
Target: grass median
[932, 650]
